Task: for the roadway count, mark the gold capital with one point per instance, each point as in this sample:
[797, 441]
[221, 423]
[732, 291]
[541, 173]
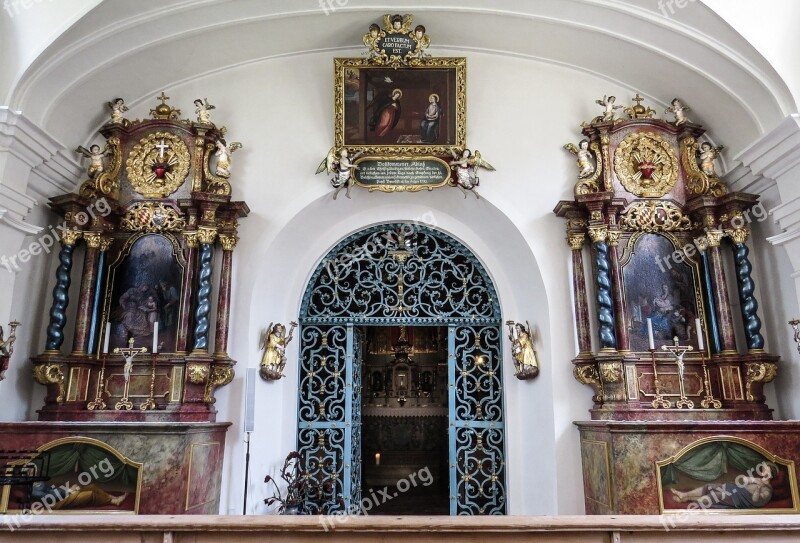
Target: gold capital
[599, 234]
[575, 241]
[613, 237]
[739, 235]
[70, 237]
[228, 241]
[191, 238]
[92, 239]
[714, 237]
[206, 235]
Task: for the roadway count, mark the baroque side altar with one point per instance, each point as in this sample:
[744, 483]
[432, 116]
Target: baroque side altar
[136, 381]
[673, 389]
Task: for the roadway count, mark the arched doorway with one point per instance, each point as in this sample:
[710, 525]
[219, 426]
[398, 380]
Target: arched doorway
[409, 275]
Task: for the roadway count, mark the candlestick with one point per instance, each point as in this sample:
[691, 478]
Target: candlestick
[708, 401]
[155, 338]
[150, 403]
[659, 401]
[650, 339]
[698, 326]
[105, 339]
[98, 403]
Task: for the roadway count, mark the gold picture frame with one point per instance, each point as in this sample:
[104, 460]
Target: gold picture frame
[356, 90]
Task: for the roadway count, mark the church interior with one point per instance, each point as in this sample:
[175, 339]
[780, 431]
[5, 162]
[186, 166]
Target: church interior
[286, 270]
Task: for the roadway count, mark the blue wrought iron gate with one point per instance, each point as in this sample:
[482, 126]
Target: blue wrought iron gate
[329, 421]
[392, 275]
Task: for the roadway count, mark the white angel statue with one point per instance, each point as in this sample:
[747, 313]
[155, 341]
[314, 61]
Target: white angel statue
[203, 110]
[118, 107]
[342, 165]
[584, 155]
[679, 110]
[223, 155]
[95, 155]
[466, 168]
[608, 103]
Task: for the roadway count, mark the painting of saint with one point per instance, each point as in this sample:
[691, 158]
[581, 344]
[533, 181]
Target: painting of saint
[662, 290]
[429, 126]
[146, 289]
[386, 114]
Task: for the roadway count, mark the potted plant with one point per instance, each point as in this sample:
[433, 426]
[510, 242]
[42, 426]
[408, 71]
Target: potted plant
[301, 487]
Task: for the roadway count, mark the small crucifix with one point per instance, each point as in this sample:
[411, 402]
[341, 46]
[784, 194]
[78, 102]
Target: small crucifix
[163, 146]
[128, 353]
[679, 351]
[163, 98]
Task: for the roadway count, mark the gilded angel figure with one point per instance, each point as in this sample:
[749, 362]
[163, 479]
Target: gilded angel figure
[525, 361]
[95, 155]
[423, 42]
[679, 110]
[585, 163]
[372, 38]
[117, 107]
[608, 102]
[708, 153]
[341, 164]
[203, 110]
[273, 342]
[397, 24]
[466, 168]
[223, 155]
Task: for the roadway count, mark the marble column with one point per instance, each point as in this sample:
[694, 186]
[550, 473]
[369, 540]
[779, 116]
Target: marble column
[752, 324]
[579, 286]
[58, 310]
[228, 242]
[620, 321]
[720, 287]
[708, 289]
[205, 236]
[605, 304]
[80, 340]
[190, 237]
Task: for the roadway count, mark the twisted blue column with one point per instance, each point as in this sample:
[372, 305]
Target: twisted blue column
[203, 298]
[605, 305]
[752, 324]
[58, 311]
[711, 313]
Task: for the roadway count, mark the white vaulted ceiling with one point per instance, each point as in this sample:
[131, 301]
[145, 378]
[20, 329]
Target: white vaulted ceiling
[136, 49]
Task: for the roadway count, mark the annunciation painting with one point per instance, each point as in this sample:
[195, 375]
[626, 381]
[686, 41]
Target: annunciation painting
[720, 474]
[146, 288]
[83, 476]
[662, 290]
[419, 106]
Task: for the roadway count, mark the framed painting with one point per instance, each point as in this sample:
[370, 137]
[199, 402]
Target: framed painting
[418, 110]
[662, 290]
[83, 476]
[145, 286]
[726, 475]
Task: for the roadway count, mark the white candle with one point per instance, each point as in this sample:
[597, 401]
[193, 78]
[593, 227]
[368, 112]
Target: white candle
[377, 459]
[105, 339]
[155, 337]
[650, 334]
[699, 330]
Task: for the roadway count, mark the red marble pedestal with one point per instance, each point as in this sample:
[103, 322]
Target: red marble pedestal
[619, 457]
[181, 462]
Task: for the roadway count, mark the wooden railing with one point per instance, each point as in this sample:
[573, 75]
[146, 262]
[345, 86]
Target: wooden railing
[562, 529]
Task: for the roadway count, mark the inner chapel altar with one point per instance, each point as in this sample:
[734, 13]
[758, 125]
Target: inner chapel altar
[343, 285]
